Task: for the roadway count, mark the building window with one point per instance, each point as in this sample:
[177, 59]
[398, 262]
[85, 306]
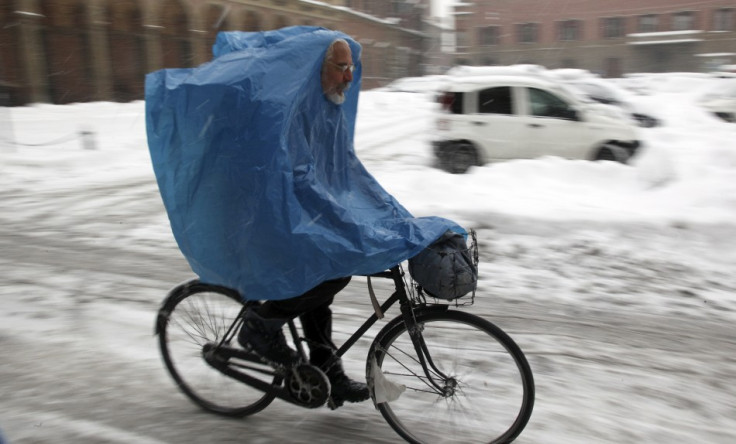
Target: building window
[489, 35]
[612, 27]
[648, 23]
[683, 21]
[723, 19]
[527, 32]
[570, 30]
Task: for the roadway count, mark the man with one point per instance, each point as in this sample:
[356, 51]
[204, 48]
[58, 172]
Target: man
[262, 331]
[254, 157]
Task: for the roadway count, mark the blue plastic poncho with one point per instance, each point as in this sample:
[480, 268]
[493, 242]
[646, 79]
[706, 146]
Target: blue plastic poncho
[258, 173]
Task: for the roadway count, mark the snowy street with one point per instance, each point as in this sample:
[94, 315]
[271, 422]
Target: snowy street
[81, 362]
[616, 281]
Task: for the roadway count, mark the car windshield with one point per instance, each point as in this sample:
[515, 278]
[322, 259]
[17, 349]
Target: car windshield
[578, 93]
[597, 92]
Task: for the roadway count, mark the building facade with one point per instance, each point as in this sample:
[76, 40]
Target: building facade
[609, 37]
[63, 51]
[439, 53]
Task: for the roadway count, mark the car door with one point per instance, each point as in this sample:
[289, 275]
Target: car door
[552, 126]
[495, 122]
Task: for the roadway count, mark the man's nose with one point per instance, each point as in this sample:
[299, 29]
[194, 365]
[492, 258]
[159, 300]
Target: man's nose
[347, 75]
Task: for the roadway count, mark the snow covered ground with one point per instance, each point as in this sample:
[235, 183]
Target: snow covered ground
[656, 238]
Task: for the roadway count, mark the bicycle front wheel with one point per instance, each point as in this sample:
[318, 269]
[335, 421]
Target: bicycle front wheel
[194, 316]
[478, 388]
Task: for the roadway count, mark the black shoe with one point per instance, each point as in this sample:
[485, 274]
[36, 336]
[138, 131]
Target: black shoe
[348, 390]
[265, 337]
[344, 388]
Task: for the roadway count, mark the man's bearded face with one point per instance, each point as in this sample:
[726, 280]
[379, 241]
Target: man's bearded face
[338, 73]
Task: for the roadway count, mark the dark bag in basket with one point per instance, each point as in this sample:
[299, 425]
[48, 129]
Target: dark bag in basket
[446, 269]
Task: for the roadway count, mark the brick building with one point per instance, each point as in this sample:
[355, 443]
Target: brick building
[610, 37]
[64, 51]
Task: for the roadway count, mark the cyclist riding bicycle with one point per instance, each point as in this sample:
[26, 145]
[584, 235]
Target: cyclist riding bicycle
[254, 157]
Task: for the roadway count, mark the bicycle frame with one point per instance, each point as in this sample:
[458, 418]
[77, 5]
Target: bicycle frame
[220, 355]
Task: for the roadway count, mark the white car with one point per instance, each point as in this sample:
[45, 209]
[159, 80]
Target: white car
[721, 99]
[493, 118]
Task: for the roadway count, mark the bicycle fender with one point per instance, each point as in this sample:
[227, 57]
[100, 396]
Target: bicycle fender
[163, 312]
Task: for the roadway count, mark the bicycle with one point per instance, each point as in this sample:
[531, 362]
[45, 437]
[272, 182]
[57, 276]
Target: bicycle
[435, 373]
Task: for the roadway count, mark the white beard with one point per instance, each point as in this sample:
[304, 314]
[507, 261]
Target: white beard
[336, 98]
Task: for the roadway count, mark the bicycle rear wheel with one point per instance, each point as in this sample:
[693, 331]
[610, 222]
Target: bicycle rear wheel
[485, 396]
[196, 315]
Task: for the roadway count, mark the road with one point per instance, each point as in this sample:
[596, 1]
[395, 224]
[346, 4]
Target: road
[80, 362]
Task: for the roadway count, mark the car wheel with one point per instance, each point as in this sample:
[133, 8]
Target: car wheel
[458, 157]
[612, 153]
[728, 117]
[645, 121]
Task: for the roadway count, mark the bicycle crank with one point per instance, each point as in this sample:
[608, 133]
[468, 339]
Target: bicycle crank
[307, 385]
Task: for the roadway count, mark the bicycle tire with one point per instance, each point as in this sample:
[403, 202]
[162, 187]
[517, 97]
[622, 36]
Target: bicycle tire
[193, 315]
[494, 396]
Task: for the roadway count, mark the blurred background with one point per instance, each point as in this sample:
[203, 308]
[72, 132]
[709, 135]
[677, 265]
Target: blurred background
[615, 279]
[64, 51]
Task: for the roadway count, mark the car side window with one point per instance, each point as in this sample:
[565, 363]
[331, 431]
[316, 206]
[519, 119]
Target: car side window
[546, 104]
[495, 101]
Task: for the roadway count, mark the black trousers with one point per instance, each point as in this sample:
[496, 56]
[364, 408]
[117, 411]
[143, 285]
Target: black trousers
[313, 310]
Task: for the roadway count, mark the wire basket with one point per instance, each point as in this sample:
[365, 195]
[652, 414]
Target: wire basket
[421, 296]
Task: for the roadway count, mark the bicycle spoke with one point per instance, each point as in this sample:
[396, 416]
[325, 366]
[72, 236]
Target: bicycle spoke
[196, 339]
[195, 323]
[416, 360]
[424, 379]
[202, 315]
